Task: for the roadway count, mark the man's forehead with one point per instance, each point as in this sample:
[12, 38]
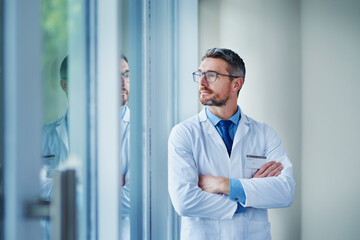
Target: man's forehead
[124, 66]
[214, 64]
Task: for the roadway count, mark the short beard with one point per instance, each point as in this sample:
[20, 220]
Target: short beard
[213, 101]
[126, 100]
[216, 103]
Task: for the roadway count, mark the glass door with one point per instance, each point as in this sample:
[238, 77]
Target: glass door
[1, 124]
[49, 163]
[65, 112]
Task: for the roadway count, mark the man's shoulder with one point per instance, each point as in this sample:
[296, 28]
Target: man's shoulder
[51, 126]
[187, 126]
[259, 126]
[252, 122]
[184, 132]
[192, 122]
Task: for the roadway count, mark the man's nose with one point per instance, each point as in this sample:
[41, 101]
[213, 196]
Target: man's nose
[203, 81]
[123, 80]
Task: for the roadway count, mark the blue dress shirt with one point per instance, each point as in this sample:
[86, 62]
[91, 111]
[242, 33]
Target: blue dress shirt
[236, 189]
[123, 110]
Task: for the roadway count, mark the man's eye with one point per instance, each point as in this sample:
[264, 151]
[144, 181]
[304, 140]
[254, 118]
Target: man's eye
[211, 75]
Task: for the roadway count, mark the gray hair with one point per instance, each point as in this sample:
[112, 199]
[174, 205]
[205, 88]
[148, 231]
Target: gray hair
[236, 65]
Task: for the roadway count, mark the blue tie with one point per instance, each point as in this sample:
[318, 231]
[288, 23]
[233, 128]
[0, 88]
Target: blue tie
[224, 126]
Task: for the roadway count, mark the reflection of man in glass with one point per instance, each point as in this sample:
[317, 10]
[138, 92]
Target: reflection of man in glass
[125, 149]
[125, 116]
[55, 141]
[55, 148]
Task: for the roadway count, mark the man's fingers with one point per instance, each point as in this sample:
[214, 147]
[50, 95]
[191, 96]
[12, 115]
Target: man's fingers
[269, 169]
[265, 167]
[272, 169]
[276, 171]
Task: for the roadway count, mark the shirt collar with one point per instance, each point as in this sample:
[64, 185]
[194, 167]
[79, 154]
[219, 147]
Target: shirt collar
[123, 110]
[215, 119]
[125, 113]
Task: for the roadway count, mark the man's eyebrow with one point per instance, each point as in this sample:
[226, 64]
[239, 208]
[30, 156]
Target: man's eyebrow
[207, 70]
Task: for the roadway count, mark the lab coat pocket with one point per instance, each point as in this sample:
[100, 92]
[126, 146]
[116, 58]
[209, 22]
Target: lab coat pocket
[259, 230]
[249, 172]
[200, 229]
[252, 164]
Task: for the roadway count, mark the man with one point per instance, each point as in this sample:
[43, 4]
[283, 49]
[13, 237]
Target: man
[226, 169]
[125, 149]
[125, 117]
[55, 140]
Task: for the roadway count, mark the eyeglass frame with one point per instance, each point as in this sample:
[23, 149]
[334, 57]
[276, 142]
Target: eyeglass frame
[216, 75]
[127, 79]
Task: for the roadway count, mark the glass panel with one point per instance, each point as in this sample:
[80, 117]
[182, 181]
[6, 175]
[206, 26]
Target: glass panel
[124, 76]
[66, 131]
[1, 128]
[55, 140]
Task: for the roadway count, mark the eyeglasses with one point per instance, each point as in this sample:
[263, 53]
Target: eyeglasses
[126, 76]
[210, 77]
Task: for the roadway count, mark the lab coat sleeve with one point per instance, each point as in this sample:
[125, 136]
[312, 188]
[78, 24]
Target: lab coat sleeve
[125, 157]
[187, 197]
[125, 196]
[271, 192]
[46, 182]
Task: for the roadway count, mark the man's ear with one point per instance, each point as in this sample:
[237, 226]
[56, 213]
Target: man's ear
[63, 83]
[238, 83]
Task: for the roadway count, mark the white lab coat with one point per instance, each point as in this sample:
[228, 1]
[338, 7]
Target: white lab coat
[55, 141]
[125, 190]
[55, 150]
[196, 148]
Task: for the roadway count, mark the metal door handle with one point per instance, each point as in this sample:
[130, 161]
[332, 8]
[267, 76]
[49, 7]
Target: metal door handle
[61, 210]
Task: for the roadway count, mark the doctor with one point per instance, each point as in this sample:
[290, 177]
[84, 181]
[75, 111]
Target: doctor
[55, 141]
[55, 136]
[55, 145]
[226, 169]
[125, 150]
[55, 149]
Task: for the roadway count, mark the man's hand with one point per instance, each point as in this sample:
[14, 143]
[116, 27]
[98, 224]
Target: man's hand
[270, 169]
[213, 184]
[123, 180]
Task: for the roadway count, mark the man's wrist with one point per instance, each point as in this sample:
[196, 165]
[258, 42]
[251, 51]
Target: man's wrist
[224, 185]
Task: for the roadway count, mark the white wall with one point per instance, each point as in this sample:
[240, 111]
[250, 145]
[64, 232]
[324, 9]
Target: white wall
[331, 117]
[266, 34]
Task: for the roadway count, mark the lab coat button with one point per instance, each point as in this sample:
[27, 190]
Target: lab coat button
[236, 199]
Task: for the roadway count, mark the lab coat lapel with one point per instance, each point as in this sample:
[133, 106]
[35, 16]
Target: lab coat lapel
[209, 128]
[61, 129]
[242, 129]
[124, 122]
[126, 117]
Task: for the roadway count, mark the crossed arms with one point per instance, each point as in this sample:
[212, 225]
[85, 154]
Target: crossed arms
[216, 185]
[196, 195]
